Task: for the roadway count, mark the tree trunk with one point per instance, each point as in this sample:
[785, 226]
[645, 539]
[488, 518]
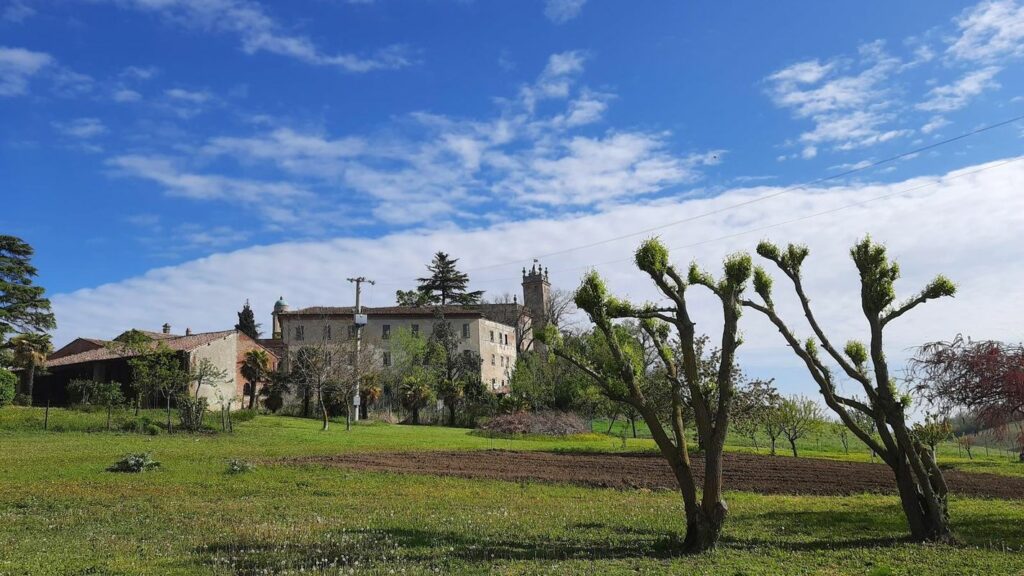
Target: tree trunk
[305, 402]
[924, 526]
[252, 396]
[168, 412]
[28, 381]
[451, 414]
[415, 415]
[323, 409]
[612, 423]
[773, 445]
[632, 423]
[110, 409]
[792, 444]
[138, 403]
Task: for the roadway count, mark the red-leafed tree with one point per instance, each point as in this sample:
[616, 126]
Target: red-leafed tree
[985, 377]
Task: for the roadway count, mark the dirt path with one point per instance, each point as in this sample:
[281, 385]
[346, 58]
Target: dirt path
[747, 472]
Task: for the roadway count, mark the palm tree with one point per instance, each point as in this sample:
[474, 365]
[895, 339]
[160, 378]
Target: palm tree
[256, 370]
[30, 352]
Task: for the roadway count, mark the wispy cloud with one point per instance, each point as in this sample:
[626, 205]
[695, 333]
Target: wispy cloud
[989, 31]
[18, 66]
[561, 11]
[82, 128]
[956, 95]
[848, 101]
[428, 167]
[258, 32]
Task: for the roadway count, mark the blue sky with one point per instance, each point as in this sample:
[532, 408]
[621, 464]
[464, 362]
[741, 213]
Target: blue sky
[143, 140]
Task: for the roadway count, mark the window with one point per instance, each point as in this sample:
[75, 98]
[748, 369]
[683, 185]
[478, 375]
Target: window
[494, 384]
[465, 330]
[506, 339]
[351, 359]
[353, 331]
[492, 335]
[300, 332]
[492, 359]
[387, 358]
[327, 332]
[415, 329]
[385, 333]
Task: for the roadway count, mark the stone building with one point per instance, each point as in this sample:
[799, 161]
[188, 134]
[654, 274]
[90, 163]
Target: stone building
[98, 360]
[498, 332]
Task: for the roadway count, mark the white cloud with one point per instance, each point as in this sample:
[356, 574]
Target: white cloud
[270, 198]
[258, 32]
[947, 227]
[989, 31]
[848, 110]
[956, 95]
[17, 66]
[17, 11]
[935, 123]
[430, 167]
[191, 96]
[561, 11]
[126, 95]
[82, 128]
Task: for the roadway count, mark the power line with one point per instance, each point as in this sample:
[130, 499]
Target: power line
[854, 170]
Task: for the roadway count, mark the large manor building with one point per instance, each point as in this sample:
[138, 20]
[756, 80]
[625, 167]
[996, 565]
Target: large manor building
[498, 332]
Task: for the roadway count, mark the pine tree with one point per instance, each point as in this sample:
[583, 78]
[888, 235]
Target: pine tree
[23, 306]
[247, 322]
[446, 285]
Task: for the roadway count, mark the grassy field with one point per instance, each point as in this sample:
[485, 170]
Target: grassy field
[61, 513]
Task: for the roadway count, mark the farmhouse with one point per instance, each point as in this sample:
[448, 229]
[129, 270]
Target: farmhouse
[103, 361]
[499, 332]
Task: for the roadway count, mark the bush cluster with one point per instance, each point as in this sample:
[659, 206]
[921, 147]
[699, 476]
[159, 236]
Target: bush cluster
[238, 466]
[141, 425]
[547, 423]
[134, 463]
[7, 387]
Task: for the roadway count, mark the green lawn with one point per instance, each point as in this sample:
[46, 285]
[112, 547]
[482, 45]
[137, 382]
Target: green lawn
[60, 513]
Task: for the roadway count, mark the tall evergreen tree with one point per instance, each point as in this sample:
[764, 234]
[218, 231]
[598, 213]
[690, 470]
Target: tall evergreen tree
[445, 285]
[23, 306]
[247, 322]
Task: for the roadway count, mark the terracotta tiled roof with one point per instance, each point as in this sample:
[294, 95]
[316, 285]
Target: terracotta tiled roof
[385, 311]
[176, 343]
[276, 346]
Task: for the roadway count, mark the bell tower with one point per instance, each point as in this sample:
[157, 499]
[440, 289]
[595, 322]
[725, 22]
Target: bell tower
[279, 306]
[537, 297]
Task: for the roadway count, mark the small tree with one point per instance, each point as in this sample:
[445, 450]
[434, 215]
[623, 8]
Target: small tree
[256, 371]
[108, 395]
[159, 369]
[316, 373]
[753, 400]
[923, 491]
[83, 388]
[843, 433]
[29, 353]
[454, 370]
[7, 387]
[415, 394]
[967, 442]
[619, 378]
[933, 431]
[206, 372]
[798, 417]
[772, 422]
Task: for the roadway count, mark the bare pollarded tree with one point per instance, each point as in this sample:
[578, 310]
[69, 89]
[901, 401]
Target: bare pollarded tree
[619, 374]
[921, 487]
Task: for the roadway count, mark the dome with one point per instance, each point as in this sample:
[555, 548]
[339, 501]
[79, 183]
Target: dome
[280, 304]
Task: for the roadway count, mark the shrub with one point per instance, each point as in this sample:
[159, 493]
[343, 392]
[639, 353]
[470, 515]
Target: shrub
[22, 400]
[243, 415]
[134, 463]
[191, 412]
[548, 423]
[7, 387]
[141, 425]
[237, 466]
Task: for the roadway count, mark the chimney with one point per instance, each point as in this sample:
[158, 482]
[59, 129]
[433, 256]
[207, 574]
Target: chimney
[188, 331]
[167, 328]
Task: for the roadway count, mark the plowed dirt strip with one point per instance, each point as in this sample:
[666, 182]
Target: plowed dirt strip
[747, 472]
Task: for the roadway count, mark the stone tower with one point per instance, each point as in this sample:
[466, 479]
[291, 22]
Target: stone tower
[279, 306]
[537, 297]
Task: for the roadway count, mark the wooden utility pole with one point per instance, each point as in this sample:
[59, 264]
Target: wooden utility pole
[353, 411]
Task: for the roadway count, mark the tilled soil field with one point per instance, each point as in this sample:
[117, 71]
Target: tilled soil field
[746, 472]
